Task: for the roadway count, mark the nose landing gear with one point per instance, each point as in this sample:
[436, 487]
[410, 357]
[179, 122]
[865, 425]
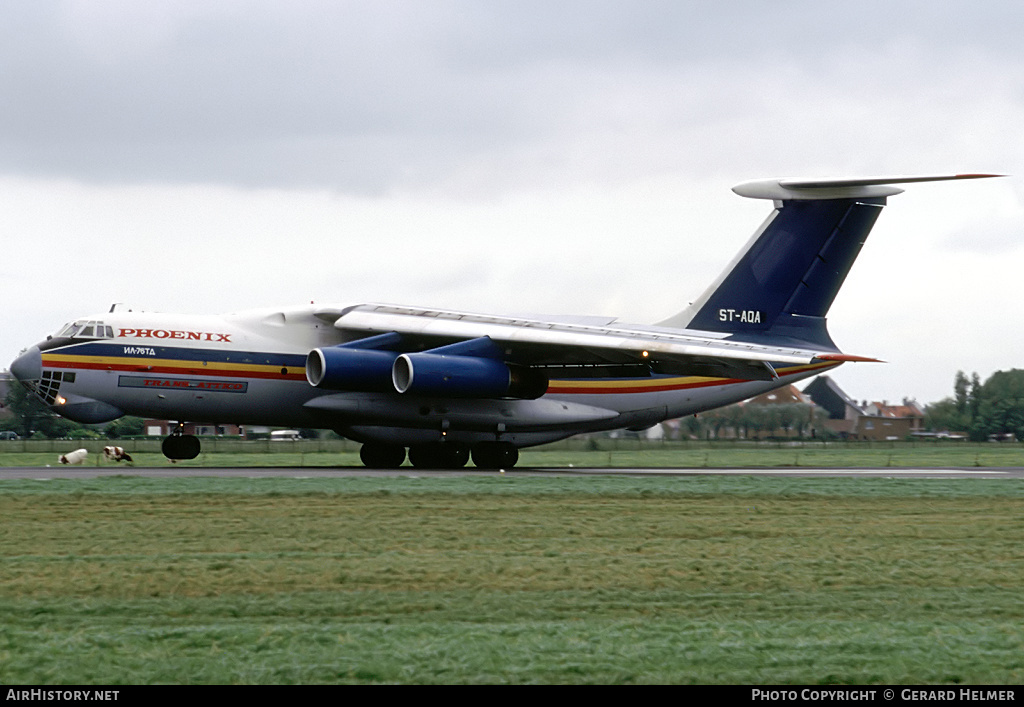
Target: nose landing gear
[180, 445]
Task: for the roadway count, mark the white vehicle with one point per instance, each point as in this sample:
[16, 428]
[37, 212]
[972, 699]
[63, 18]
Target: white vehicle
[447, 385]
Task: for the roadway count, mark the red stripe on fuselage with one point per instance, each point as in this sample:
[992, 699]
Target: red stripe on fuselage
[180, 370]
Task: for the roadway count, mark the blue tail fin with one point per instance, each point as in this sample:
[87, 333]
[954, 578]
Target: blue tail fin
[782, 284]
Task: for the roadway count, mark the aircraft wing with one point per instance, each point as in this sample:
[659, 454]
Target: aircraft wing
[542, 342]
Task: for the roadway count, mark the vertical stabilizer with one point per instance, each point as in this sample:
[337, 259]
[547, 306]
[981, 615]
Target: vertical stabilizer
[784, 281]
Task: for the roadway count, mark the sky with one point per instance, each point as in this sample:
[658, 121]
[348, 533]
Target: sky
[570, 157]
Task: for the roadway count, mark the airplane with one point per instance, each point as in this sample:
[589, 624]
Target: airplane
[450, 385]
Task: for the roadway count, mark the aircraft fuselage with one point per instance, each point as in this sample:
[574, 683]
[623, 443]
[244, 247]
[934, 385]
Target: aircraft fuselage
[249, 369]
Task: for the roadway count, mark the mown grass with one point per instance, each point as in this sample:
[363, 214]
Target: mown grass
[511, 579]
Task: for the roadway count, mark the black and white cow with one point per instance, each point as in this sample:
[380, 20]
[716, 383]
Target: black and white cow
[116, 454]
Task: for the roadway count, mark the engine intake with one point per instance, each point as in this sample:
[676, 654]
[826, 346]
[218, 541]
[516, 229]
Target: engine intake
[340, 368]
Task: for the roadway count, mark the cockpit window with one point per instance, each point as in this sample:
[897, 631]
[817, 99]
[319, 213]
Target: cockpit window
[69, 330]
[86, 330]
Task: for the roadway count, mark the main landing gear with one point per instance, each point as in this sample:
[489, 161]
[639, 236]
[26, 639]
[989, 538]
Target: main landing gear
[495, 455]
[441, 455]
[180, 445]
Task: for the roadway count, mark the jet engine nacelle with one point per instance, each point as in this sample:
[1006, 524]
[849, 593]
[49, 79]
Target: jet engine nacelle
[465, 377]
[340, 368]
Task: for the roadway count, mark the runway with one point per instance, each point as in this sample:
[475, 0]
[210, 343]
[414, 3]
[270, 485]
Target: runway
[69, 472]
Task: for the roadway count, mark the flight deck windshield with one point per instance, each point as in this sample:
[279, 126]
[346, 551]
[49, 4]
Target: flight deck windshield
[86, 330]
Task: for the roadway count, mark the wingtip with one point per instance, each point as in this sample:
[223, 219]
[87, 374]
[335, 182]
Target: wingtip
[979, 176]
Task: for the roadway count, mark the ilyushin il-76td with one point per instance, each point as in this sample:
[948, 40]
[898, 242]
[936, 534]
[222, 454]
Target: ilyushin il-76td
[443, 386]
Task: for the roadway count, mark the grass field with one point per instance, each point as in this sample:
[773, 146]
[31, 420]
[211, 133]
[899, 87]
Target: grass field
[511, 579]
[589, 453]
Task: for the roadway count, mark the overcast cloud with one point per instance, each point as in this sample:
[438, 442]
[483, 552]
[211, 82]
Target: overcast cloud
[562, 157]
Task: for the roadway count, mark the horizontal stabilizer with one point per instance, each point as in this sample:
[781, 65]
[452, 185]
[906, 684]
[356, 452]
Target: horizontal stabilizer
[856, 188]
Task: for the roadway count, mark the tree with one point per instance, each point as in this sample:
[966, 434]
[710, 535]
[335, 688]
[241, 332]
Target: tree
[961, 390]
[1000, 406]
[959, 413]
[754, 418]
[974, 397]
[691, 425]
[33, 419]
[771, 419]
[126, 426]
[947, 415]
[713, 422]
[789, 416]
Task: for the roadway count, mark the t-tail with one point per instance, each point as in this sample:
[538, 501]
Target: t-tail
[781, 285]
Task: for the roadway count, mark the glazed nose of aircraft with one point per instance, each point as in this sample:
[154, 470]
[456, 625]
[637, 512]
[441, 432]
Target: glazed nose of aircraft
[28, 366]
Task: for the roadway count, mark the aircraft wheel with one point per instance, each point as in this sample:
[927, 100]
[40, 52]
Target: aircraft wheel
[495, 455]
[440, 455]
[180, 447]
[454, 455]
[382, 456]
[424, 456]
